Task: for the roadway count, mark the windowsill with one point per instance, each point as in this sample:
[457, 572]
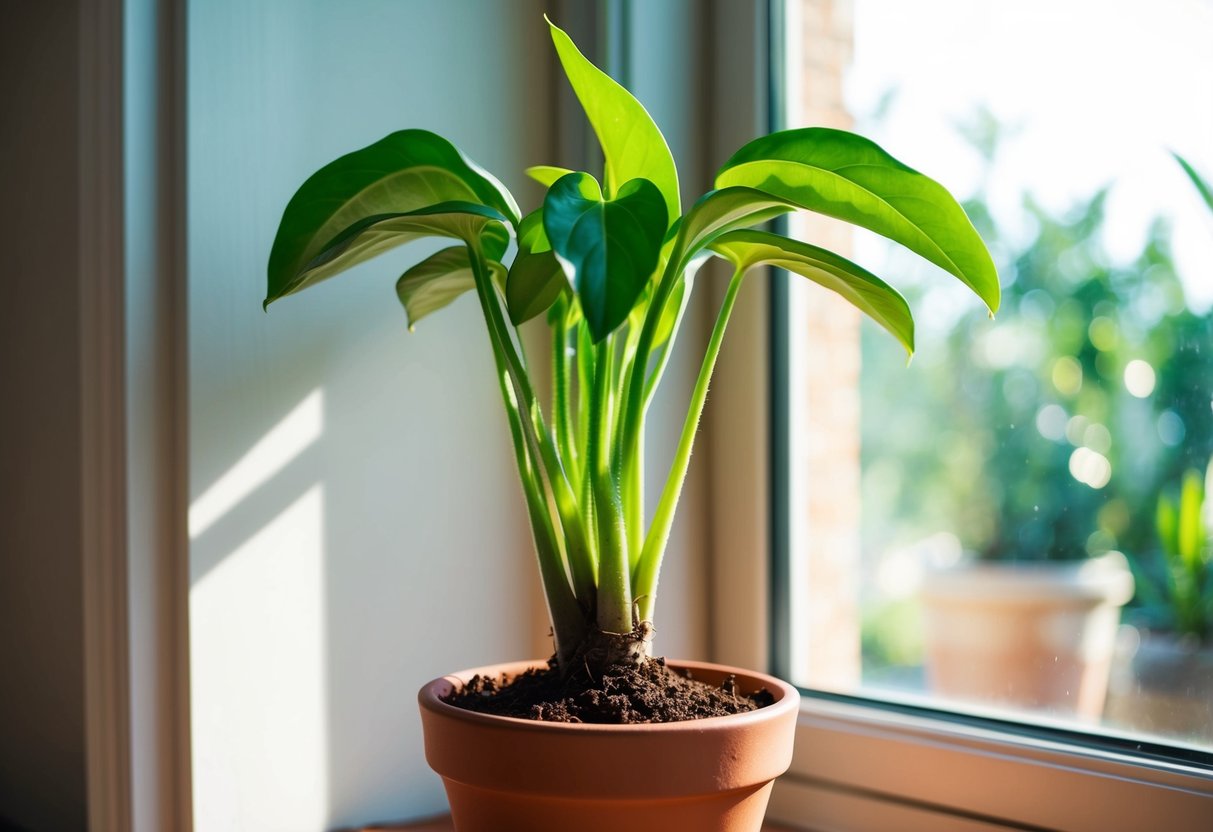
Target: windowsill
[443, 824]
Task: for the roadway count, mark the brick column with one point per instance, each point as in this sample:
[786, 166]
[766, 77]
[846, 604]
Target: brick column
[825, 366]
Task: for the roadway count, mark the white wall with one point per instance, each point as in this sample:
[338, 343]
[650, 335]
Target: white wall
[357, 527]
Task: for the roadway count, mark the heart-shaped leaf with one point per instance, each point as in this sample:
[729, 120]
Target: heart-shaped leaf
[402, 173]
[376, 234]
[631, 143]
[607, 248]
[867, 292]
[842, 175]
[438, 280]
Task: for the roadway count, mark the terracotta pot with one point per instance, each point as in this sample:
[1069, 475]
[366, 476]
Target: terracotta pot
[707, 775]
[1038, 636]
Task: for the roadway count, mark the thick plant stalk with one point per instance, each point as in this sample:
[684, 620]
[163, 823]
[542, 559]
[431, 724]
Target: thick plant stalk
[645, 584]
[614, 580]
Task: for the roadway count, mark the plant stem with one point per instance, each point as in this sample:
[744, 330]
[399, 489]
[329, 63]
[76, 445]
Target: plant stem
[629, 471]
[577, 546]
[614, 581]
[568, 620]
[631, 433]
[654, 545]
[561, 391]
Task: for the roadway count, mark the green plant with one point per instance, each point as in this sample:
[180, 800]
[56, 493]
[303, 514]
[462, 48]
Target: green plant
[611, 265]
[1183, 533]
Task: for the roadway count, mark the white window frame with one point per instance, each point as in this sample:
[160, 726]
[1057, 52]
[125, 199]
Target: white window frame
[861, 765]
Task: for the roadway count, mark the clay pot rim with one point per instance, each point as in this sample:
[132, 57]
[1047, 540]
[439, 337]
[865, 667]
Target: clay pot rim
[786, 696]
[1105, 579]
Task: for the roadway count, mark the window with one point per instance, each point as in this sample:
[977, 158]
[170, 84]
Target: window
[1054, 439]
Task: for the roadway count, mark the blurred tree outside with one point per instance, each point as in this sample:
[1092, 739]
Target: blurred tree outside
[1050, 433]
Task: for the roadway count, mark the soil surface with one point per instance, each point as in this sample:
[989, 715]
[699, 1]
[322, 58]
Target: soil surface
[650, 692]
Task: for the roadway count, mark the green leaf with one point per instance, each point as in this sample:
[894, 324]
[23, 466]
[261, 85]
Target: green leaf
[864, 290]
[608, 248]
[438, 280]
[631, 143]
[1202, 185]
[402, 173]
[535, 281]
[546, 174]
[376, 234]
[531, 236]
[842, 175]
[724, 210]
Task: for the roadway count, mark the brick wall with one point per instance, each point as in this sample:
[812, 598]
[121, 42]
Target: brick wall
[826, 363]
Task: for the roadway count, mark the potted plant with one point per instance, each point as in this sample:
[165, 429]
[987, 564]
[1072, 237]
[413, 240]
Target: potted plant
[609, 266]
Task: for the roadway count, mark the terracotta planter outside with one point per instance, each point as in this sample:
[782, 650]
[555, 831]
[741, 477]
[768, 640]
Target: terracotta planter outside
[1038, 636]
[517, 775]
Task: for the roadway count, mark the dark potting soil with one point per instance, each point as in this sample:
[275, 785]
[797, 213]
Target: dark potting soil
[650, 692]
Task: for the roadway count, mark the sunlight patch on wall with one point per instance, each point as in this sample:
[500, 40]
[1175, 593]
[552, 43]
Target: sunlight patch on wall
[285, 441]
[258, 668]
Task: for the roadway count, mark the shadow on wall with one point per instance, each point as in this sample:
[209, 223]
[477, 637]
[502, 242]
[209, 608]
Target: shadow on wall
[354, 513]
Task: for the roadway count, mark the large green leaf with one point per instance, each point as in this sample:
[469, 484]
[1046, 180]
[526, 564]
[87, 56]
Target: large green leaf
[375, 234]
[867, 292]
[404, 172]
[437, 280]
[608, 248]
[842, 175]
[631, 143]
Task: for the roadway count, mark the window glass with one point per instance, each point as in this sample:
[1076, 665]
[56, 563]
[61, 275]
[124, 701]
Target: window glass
[1014, 523]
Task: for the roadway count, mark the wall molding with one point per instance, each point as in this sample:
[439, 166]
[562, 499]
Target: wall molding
[103, 418]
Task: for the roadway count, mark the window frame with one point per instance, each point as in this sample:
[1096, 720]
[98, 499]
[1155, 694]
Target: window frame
[867, 765]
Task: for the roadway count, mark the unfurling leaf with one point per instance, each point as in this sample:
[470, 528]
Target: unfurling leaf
[631, 143]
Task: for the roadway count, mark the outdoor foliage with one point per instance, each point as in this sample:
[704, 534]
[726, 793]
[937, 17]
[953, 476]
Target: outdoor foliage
[1059, 428]
[609, 263]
